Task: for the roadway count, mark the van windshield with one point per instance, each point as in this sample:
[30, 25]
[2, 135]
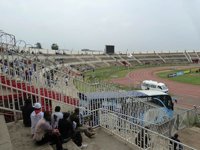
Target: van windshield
[166, 99]
[163, 87]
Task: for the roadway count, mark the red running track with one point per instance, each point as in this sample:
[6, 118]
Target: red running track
[187, 94]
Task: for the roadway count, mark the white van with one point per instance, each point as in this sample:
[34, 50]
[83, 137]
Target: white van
[153, 85]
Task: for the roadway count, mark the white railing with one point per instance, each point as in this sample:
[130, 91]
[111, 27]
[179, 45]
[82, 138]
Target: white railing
[139, 136]
[186, 119]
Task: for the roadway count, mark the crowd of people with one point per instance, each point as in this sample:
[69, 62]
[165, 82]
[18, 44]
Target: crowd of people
[27, 70]
[23, 69]
[56, 128]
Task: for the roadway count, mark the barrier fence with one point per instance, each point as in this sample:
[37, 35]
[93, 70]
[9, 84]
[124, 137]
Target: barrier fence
[139, 136]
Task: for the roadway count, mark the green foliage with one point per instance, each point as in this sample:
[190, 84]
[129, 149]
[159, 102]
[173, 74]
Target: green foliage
[54, 46]
[38, 45]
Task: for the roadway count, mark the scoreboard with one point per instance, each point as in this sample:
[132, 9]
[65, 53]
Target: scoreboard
[109, 49]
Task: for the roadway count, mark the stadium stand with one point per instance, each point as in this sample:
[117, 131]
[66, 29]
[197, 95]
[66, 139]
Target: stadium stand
[22, 81]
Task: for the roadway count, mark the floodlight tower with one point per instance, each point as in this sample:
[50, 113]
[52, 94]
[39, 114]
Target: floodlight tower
[129, 56]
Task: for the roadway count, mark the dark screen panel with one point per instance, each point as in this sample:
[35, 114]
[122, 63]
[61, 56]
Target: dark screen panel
[110, 49]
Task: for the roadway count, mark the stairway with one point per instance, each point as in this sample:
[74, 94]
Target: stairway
[21, 139]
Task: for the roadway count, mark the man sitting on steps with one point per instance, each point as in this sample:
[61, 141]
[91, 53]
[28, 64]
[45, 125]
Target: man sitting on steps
[67, 132]
[45, 133]
[79, 127]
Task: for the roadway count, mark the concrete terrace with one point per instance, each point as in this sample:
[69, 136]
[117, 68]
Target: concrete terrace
[19, 137]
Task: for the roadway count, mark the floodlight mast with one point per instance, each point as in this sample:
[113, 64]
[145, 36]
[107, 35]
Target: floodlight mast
[131, 79]
[7, 40]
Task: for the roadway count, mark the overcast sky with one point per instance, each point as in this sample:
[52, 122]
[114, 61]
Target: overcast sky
[128, 24]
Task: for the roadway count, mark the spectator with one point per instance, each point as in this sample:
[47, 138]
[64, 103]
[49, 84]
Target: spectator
[27, 109]
[45, 133]
[34, 66]
[29, 74]
[77, 139]
[65, 127]
[79, 127]
[66, 80]
[26, 74]
[36, 115]
[56, 116]
[48, 79]
[174, 144]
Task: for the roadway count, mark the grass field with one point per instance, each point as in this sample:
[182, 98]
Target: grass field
[190, 78]
[107, 73]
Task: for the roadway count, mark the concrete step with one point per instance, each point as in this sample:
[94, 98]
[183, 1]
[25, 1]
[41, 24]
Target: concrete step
[5, 143]
[103, 140]
[190, 136]
[71, 146]
[21, 138]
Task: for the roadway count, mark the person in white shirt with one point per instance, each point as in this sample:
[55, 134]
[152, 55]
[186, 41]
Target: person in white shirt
[45, 133]
[36, 115]
[56, 116]
[66, 80]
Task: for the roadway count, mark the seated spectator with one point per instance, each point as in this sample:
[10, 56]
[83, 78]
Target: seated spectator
[27, 109]
[175, 145]
[36, 115]
[79, 127]
[56, 116]
[45, 133]
[77, 139]
[65, 127]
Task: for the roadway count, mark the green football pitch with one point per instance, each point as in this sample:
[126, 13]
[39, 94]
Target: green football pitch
[108, 73]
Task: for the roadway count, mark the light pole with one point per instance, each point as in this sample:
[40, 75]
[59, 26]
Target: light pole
[130, 79]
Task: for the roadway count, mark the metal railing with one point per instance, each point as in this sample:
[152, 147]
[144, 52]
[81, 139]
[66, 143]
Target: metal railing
[139, 136]
[185, 119]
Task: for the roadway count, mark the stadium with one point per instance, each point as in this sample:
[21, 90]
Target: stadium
[106, 87]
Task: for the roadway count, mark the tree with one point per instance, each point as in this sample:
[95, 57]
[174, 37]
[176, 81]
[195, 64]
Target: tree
[38, 45]
[54, 46]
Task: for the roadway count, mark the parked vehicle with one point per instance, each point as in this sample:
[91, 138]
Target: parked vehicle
[145, 106]
[154, 85]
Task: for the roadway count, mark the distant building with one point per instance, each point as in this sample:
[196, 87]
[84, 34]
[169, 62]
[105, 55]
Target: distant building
[109, 49]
